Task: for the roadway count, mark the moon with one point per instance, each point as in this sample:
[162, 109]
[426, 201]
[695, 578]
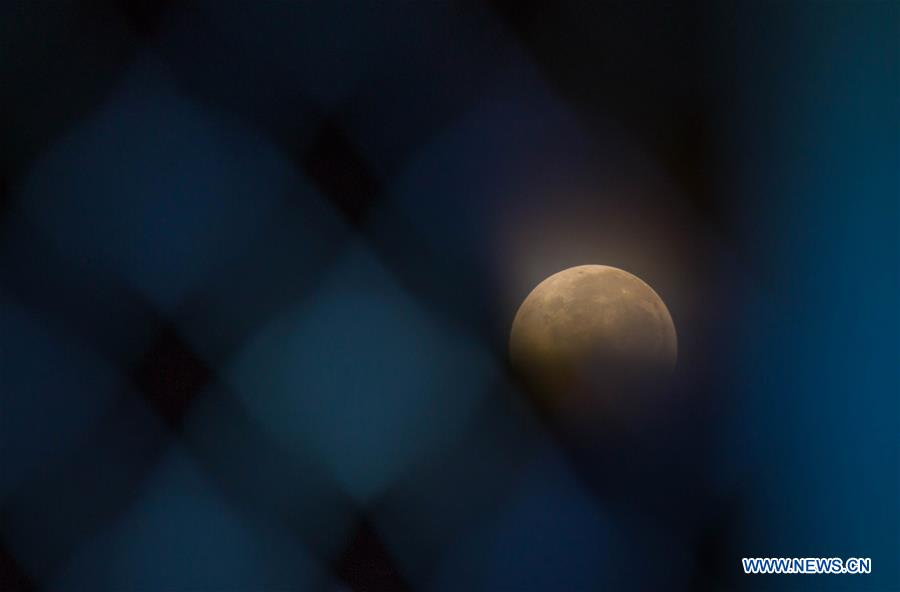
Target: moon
[592, 323]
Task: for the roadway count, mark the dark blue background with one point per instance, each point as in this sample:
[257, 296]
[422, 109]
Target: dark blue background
[258, 263]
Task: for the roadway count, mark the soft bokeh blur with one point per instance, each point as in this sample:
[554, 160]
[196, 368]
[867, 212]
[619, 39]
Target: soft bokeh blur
[259, 261]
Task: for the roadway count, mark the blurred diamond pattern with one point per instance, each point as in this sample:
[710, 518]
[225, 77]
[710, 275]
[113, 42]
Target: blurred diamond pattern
[254, 355]
[257, 264]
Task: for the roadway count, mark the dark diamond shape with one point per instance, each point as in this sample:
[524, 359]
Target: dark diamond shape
[5, 201]
[365, 565]
[337, 168]
[170, 375]
[145, 15]
[12, 577]
[716, 548]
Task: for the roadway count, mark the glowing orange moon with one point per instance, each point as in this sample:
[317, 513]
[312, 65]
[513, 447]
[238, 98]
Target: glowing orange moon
[591, 318]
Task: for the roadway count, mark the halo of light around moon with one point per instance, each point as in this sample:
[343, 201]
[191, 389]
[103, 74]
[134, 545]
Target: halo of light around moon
[592, 322]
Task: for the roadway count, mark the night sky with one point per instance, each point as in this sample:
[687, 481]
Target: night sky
[259, 262]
